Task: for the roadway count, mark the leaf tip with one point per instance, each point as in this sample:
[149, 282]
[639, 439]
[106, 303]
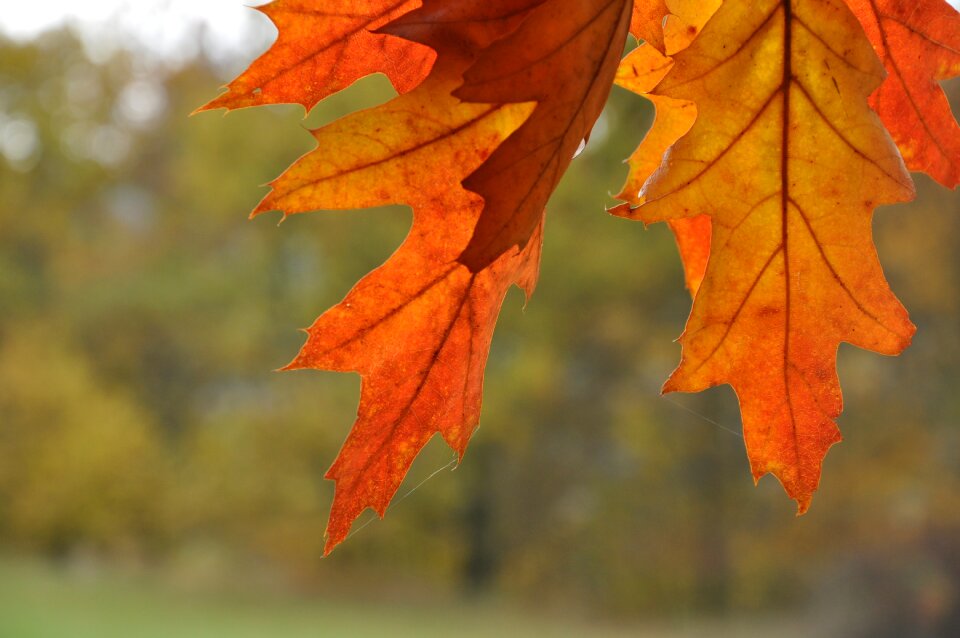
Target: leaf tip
[265, 206]
[622, 210]
[801, 495]
[200, 109]
[299, 362]
[670, 385]
[216, 103]
[330, 544]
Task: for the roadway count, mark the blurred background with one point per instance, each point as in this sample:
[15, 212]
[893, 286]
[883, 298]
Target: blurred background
[158, 479]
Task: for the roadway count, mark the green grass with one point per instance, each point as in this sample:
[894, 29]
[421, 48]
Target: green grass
[38, 600]
[41, 601]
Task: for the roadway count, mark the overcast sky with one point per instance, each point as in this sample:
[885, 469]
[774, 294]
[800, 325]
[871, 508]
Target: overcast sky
[167, 27]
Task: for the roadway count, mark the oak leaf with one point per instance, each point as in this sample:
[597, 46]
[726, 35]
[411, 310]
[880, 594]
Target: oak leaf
[646, 21]
[788, 161]
[765, 159]
[641, 71]
[322, 48]
[564, 57]
[919, 43]
[417, 329]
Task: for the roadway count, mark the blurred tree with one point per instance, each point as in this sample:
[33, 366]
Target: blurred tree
[80, 463]
[141, 317]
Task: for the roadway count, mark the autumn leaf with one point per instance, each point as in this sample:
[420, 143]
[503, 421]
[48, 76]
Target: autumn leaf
[919, 43]
[322, 48]
[789, 162]
[765, 159]
[641, 71]
[646, 21]
[417, 329]
[564, 57]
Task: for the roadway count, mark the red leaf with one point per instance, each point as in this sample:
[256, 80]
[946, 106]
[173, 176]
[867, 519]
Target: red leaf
[919, 43]
[563, 56]
[418, 328]
[323, 47]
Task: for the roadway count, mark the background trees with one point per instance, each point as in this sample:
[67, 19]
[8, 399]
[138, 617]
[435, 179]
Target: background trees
[139, 422]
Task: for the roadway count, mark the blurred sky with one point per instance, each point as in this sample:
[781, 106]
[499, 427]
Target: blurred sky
[172, 29]
[166, 27]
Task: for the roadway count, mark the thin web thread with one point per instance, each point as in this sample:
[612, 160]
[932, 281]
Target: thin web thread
[707, 419]
[453, 463]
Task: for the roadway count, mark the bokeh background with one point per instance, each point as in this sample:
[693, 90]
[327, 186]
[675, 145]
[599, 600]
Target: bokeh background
[158, 479]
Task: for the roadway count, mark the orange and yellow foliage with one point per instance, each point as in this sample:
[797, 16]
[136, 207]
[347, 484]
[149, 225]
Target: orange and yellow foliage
[776, 138]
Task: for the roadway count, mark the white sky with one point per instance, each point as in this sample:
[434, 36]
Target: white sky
[174, 29]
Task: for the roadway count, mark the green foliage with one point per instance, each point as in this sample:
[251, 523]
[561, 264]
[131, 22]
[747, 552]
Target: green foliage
[140, 319]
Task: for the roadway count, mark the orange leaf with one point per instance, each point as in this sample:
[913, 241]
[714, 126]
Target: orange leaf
[765, 159]
[693, 237]
[685, 20]
[919, 43]
[788, 161]
[670, 25]
[563, 56]
[641, 71]
[323, 47]
[646, 21]
[418, 328]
